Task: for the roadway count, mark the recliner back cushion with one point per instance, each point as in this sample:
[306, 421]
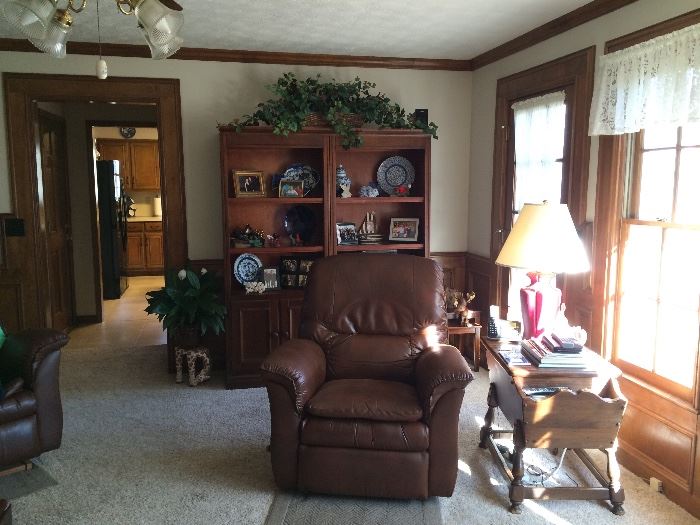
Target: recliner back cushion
[373, 314]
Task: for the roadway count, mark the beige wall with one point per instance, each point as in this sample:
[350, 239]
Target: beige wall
[626, 20]
[214, 92]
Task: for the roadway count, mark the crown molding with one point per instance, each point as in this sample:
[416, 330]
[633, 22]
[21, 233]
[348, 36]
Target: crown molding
[259, 57]
[555, 27]
[667, 26]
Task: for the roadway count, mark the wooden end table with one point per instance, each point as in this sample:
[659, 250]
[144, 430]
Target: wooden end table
[585, 414]
[454, 329]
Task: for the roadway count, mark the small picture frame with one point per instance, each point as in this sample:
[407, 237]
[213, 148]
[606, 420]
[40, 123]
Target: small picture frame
[289, 264]
[305, 265]
[289, 281]
[291, 188]
[271, 278]
[403, 229]
[346, 233]
[301, 280]
[249, 183]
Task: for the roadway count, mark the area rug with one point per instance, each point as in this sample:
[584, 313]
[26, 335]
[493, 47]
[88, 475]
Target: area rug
[298, 509]
[140, 449]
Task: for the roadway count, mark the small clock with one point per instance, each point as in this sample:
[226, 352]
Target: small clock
[127, 133]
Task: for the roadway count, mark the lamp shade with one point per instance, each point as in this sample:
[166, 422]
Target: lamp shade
[160, 23]
[54, 40]
[544, 240]
[161, 51]
[32, 17]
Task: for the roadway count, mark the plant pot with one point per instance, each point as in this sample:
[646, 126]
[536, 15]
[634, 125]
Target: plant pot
[317, 120]
[186, 336]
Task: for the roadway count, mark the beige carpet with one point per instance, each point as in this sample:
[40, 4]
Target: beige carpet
[139, 449]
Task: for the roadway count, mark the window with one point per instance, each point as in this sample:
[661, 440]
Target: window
[656, 335]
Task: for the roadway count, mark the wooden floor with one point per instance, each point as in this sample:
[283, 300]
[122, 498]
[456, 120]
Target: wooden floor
[125, 322]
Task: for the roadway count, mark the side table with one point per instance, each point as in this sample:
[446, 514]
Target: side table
[475, 330]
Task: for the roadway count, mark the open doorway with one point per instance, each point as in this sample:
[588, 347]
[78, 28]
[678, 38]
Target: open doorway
[26, 251]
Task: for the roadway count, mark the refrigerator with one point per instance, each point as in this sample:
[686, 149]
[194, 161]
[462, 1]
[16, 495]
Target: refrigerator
[112, 213]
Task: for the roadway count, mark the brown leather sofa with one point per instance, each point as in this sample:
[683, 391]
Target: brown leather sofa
[366, 402]
[5, 512]
[31, 416]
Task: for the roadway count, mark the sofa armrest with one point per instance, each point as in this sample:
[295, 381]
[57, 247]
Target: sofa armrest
[438, 371]
[12, 388]
[299, 365]
[29, 348]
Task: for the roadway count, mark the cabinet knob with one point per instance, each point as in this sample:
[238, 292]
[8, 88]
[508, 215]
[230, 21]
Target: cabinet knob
[275, 333]
[285, 334]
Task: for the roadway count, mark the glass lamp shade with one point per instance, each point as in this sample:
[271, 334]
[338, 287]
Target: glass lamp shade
[54, 40]
[159, 52]
[31, 17]
[160, 23]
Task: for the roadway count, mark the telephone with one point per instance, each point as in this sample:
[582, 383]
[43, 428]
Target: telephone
[501, 328]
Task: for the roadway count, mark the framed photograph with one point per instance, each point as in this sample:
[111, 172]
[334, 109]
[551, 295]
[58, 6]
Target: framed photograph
[289, 281]
[291, 188]
[249, 183]
[302, 281]
[271, 278]
[346, 232]
[289, 264]
[305, 265]
[404, 230]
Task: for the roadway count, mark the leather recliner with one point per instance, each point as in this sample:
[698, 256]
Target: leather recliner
[31, 415]
[366, 402]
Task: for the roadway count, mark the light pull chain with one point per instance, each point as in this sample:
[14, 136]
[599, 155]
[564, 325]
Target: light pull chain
[101, 66]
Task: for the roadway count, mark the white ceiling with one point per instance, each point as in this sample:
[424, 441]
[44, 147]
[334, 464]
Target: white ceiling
[457, 29]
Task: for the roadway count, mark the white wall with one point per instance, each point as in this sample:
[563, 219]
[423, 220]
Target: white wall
[621, 22]
[214, 92]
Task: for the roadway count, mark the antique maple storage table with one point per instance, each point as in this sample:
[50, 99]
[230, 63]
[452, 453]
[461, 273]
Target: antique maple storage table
[584, 414]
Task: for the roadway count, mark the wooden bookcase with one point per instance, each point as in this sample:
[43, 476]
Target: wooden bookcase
[257, 324]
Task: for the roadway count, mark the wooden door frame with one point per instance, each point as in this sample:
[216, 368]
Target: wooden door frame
[97, 260]
[24, 261]
[573, 73]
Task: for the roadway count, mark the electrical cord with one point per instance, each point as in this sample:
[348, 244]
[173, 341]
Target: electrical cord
[536, 471]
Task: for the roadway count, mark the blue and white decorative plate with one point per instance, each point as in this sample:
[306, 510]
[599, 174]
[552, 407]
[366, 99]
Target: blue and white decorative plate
[246, 268]
[394, 172]
[303, 172]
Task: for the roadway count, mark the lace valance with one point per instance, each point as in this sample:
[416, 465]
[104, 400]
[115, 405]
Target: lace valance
[655, 82]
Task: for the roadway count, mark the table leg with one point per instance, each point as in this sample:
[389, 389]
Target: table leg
[617, 494]
[492, 401]
[477, 347]
[516, 492]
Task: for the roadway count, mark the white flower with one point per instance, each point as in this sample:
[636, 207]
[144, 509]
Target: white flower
[203, 271]
[181, 275]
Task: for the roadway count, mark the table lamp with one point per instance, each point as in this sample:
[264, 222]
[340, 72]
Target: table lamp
[544, 242]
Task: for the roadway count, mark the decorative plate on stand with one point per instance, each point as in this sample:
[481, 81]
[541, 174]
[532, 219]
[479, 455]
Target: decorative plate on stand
[246, 268]
[303, 172]
[395, 172]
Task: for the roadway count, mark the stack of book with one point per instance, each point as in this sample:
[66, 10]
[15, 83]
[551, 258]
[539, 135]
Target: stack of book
[542, 356]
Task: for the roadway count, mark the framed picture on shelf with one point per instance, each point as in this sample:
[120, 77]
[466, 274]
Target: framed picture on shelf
[291, 188]
[289, 281]
[346, 232]
[403, 230]
[249, 183]
[289, 264]
[305, 265]
[302, 280]
[271, 278]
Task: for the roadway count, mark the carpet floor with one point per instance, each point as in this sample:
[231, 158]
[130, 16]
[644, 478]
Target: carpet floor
[140, 449]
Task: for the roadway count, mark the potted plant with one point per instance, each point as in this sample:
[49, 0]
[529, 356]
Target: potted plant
[344, 106]
[189, 304]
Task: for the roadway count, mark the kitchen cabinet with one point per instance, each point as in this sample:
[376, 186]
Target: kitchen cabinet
[139, 162]
[144, 248]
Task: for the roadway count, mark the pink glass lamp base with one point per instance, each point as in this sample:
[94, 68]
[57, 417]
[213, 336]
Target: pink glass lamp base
[540, 302]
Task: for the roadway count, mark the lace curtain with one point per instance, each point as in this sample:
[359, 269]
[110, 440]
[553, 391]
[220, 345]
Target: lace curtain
[539, 147]
[656, 82]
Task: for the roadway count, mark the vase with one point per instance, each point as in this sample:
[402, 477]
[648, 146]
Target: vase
[341, 179]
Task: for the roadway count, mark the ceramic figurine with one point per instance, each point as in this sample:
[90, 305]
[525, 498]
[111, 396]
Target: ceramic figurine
[369, 224]
[342, 180]
[345, 191]
[369, 191]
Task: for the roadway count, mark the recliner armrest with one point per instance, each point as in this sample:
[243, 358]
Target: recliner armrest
[438, 371]
[36, 344]
[299, 365]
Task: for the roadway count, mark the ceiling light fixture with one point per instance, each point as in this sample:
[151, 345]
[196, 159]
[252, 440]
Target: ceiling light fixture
[47, 27]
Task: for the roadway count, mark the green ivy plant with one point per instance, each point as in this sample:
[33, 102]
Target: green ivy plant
[189, 300]
[296, 99]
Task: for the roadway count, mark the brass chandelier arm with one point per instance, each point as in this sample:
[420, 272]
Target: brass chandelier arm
[126, 6]
[78, 9]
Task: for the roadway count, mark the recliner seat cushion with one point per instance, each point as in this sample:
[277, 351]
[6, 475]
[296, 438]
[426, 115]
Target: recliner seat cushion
[365, 434]
[18, 406]
[373, 399]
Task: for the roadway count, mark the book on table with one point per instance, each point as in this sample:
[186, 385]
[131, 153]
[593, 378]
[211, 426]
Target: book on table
[541, 356]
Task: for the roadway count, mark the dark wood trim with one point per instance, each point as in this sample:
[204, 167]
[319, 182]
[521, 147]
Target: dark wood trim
[255, 57]
[555, 27]
[20, 90]
[574, 74]
[87, 319]
[667, 26]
